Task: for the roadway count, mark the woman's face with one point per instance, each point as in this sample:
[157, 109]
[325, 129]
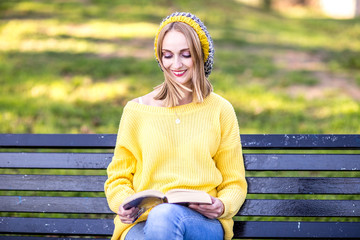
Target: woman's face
[176, 56]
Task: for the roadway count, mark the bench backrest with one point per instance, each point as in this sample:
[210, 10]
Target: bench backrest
[303, 186]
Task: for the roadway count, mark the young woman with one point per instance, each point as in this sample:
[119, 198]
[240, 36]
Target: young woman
[181, 135]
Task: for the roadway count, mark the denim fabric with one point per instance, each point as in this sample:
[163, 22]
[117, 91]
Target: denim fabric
[172, 221]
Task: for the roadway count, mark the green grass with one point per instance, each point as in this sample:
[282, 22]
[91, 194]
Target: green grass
[70, 66]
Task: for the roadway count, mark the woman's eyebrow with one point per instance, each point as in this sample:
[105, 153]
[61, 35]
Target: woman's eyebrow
[185, 49]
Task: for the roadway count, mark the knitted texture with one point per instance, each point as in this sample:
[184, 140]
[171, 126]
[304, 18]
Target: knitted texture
[200, 29]
[202, 152]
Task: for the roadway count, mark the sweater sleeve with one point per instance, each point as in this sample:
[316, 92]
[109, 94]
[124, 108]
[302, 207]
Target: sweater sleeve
[121, 170]
[229, 160]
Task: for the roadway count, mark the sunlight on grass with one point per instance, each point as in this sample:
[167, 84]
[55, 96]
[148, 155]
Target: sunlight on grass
[335, 108]
[8, 117]
[34, 6]
[105, 30]
[49, 35]
[261, 109]
[346, 106]
[12, 122]
[257, 100]
[297, 32]
[86, 91]
[55, 45]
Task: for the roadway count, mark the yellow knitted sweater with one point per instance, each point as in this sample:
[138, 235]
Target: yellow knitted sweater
[202, 152]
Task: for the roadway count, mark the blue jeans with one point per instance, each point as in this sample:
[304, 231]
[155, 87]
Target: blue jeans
[172, 221]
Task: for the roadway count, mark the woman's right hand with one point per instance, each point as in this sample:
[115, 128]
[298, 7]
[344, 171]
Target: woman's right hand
[128, 216]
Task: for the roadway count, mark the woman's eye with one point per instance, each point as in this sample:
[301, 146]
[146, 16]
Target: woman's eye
[167, 56]
[186, 54]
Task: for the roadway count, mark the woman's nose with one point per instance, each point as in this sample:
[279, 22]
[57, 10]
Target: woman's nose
[177, 62]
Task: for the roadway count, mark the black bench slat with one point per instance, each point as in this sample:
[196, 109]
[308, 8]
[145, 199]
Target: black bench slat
[250, 229]
[302, 162]
[68, 226]
[100, 141]
[251, 207]
[253, 162]
[53, 183]
[249, 141]
[305, 230]
[257, 185]
[300, 208]
[54, 204]
[55, 160]
[303, 185]
[300, 141]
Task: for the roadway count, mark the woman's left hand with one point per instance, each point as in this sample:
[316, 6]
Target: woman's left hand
[215, 210]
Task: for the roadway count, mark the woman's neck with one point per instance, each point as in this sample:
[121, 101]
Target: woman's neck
[188, 98]
[149, 99]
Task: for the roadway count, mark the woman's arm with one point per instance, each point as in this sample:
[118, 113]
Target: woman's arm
[229, 160]
[121, 170]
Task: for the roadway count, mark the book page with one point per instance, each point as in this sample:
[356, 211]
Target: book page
[188, 196]
[143, 199]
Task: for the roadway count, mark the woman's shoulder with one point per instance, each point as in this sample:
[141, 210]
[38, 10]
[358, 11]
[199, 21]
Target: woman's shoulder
[220, 99]
[136, 100]
[147, 99]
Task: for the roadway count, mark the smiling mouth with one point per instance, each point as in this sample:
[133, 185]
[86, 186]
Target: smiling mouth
[179, 73]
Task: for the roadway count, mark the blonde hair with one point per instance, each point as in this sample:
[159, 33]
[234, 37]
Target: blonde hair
[170, 90]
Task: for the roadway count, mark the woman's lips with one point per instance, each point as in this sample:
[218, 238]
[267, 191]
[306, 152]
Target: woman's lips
[179, 73]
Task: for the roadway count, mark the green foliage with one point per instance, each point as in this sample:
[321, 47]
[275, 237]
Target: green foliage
[71, 66]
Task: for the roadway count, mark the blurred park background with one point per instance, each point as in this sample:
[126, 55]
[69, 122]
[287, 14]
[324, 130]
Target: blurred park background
[70, 66]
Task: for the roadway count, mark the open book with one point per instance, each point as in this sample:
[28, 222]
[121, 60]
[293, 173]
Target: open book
[150, 198]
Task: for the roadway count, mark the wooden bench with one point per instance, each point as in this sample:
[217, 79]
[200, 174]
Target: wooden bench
[52, 186]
